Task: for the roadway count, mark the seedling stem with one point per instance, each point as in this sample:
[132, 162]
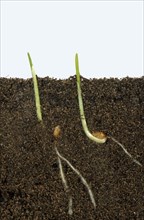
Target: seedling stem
[36, 90]
[81, 108]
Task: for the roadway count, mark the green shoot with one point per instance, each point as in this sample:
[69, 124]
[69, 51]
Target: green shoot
[36, 90]
[100, 139]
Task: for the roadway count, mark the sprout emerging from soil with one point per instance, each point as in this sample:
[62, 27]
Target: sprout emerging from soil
[56, 133]
[99, 137]
[36, 90]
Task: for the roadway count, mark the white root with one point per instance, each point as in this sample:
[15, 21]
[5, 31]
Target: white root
[70, 211]
[81, 177]
[134, 160]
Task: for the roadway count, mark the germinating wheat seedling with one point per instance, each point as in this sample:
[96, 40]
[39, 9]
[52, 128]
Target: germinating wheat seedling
[98, 137]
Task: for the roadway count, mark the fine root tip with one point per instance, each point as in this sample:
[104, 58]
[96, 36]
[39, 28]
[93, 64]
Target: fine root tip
[137, 162]
[125, 150]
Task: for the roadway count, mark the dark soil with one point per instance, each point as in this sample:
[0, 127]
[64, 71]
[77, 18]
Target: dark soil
[30, 184]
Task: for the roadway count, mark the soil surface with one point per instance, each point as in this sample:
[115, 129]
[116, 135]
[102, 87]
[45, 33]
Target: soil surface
[30, 183]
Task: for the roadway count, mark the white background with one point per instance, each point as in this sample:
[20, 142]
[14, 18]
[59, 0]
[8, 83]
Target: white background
[107, 35]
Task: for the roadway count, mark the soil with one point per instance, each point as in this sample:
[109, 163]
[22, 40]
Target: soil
[30, 183]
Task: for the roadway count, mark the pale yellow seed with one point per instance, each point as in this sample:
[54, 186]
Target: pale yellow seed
[99, 134]
[57, 132]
